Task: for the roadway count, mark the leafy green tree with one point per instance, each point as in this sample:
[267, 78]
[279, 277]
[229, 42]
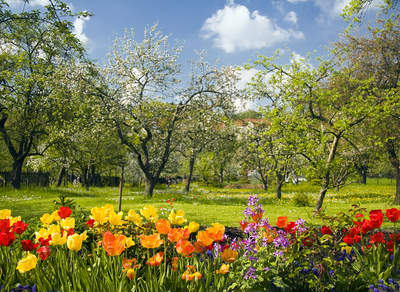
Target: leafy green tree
[374, 59]
[326, 102]
[33, 44]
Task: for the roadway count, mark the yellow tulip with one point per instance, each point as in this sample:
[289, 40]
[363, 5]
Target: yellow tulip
[14, 219]
[129, 242]
[5, 213]
[27, 263]
[74, 241]
[193, 227]
[68, 223]
[56, 216]
[150, 213]
[57, 239]
[115, 218]
[134, 217]
[108, 209]
[99, 215]
[46, 219]
[223, 269]
[177, 218]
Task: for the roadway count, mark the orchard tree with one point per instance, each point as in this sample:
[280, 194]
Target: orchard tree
[146, 101]
[33, 44]
[376, 59]
[326, 102]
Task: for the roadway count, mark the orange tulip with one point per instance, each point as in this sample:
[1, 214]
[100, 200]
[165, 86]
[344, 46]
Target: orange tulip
[203, 238]
[229, 255]
[174, 263]
[178, 233]
[199, 247]
[163, 226]
[151, 241]
[282, 222]
[113, 245]
[184, 247]
[216, 231]
[156, 260]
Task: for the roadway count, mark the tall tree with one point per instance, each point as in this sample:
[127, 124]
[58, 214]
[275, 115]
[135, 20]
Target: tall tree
[326, 102]
[33, 44]
[146, 101]
[375, 59]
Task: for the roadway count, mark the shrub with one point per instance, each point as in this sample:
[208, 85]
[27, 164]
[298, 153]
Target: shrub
[301, 200]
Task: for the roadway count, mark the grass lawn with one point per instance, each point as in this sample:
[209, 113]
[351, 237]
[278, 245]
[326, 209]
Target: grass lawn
[205, 205]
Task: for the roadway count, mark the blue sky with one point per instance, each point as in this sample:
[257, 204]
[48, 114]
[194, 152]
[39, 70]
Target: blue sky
[232, 31]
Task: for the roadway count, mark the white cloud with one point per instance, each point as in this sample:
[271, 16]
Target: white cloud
[33, 3]
[291, 17]
[234, 28]
[332, 8]
[79, 23]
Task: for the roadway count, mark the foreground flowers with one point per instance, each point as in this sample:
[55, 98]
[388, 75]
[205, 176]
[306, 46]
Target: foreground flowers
[145, 250]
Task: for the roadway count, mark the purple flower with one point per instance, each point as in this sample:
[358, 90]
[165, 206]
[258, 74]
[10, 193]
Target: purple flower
[251, 273]
[266, 269]
[252, 200]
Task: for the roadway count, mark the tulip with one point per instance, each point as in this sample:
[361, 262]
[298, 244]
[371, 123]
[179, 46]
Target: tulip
[282, 222]
[229, 255]
[5, 214]
[151, 241]
[163, 226]
[113, 245]
[177, 218]
[156, 260]
[74, 241]
[43, 252]
[134, 218]
[64, 212]
[27, 263]
[223, 269]
[150, 213]
[184, 247]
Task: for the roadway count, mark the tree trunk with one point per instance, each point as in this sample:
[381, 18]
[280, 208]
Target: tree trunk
[16, 173]
[121, 186]
[394, 160]
[189, 179]
[279, 183]
[61, 175]
[322, 192]
[362, 172]
[325, 183]
[265, 182]
[221, 175]
[149, 187]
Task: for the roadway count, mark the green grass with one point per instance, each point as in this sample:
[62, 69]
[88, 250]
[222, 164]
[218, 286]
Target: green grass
[210, 205]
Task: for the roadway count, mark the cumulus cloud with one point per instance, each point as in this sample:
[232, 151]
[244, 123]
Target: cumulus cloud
[291, 17]
[234, 28]
[79, 24]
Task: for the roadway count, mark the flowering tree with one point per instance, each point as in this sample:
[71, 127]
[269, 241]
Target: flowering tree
[146, 103]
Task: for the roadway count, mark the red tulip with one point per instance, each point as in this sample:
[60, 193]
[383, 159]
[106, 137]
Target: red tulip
[393, 214]
[19, 227]
[44, 252]
[27, 245]
[6, 238]
[64, 212]
[4, 225]
[326, 230]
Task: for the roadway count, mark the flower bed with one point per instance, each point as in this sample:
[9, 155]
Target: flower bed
[148, 252]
